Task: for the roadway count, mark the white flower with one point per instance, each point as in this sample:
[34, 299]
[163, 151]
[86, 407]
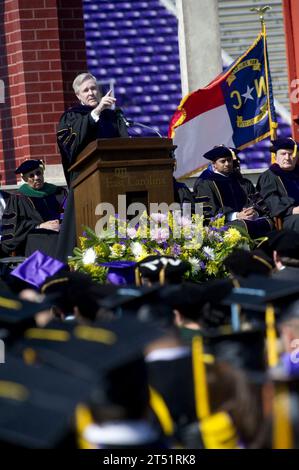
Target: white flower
[183, 221]
[195, 264]
[209, 252]
[89, 256]
[132, 232]
[160, 235]
[137, 249]
[159, 218]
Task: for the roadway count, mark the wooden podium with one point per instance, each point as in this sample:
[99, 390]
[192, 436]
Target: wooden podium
[140, 168]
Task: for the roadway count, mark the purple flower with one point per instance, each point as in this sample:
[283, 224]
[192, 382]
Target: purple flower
[176, 250]
[202, 265]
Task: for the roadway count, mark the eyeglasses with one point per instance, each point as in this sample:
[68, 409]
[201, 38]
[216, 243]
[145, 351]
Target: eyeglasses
[35, 173]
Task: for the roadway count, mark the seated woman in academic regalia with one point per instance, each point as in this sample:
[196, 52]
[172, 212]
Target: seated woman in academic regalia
[279, 185]
[31, 220]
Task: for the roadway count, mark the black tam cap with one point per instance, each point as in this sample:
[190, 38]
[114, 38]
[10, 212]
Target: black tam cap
[29, 165]
[286, 144]
[221, 151]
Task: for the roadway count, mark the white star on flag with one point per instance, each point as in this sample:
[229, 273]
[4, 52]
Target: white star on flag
[248, 95]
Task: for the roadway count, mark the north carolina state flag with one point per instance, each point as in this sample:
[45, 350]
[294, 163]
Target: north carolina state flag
[236, 109]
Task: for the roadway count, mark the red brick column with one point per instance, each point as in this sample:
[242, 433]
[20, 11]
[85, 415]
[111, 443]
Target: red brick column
[42, 48]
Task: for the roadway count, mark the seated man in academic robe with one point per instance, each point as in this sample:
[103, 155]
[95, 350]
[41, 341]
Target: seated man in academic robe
[31, 220]
[279, 185]
[222, 189]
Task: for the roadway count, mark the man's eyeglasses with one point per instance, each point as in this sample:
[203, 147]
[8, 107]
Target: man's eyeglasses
[35, 173]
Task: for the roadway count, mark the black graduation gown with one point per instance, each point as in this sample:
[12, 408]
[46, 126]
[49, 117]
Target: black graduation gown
[173, 380]
[76, 129]
[183, 195]
[23, 214]
[226, 194]
[280, 190]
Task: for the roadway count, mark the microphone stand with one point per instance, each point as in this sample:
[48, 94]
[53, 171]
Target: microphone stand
[134, 123]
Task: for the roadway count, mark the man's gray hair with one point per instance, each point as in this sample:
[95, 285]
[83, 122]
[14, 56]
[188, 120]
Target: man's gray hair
[82, 77]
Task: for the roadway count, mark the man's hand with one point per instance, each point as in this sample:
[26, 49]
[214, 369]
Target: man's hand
[295, 210]
[247, 214]
[51, 225]
[106, 102]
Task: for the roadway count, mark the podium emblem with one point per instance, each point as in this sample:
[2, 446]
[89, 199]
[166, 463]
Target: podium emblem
[120, 172]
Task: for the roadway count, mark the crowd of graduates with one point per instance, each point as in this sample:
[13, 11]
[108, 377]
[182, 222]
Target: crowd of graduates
[165, 364]
[162, 363]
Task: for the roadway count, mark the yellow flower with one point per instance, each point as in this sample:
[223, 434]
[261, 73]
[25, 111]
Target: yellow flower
[99, 251]
[97, 273]
[82, 241]
[117, 250]
[219, 222]
[212, 268]
[232, 236]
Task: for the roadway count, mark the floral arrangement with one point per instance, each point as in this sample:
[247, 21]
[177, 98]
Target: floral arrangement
[171, 234]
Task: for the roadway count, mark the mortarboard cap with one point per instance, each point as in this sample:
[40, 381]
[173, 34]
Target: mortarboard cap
[285, 242]
[242, 349]
[286, 143]
[76, 289]
[37, 268]
[112, 352]
[258, 291]
[17, 314]
[97, 347]
[160, 268]
[37, 404]
[29, 165]
[245, 263]
[221, 151]
[190, 298]
[120, 272]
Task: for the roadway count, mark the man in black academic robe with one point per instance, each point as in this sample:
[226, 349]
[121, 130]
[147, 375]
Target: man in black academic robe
[92, 118]
[279, 185]
[31, 220]
[222, 189]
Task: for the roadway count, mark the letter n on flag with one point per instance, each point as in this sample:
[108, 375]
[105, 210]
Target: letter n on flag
[236, 109]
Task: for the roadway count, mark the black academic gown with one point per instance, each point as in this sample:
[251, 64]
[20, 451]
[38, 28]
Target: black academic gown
[280, 190]
[76, 129]
[173, 380]
[227, 194]
[21, 217]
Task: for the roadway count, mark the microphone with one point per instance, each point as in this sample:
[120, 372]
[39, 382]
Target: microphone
[121, 116]
[128, 123]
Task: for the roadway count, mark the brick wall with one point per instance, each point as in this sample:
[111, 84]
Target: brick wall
[42, 48]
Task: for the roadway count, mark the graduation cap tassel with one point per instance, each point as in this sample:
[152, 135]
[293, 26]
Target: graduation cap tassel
[161, 411]
[137, 277]
[282, 433]
[162, 277]
[271, 337]
[202, 405]
[83, 419]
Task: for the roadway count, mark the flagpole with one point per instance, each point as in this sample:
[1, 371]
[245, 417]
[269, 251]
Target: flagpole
[273, 125]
